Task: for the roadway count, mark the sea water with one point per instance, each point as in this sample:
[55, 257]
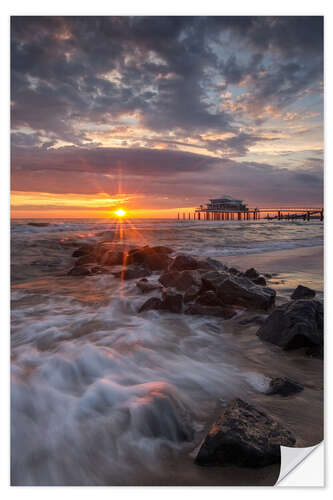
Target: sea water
[103, 395]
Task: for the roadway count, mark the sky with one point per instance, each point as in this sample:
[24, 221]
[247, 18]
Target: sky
[158, 114]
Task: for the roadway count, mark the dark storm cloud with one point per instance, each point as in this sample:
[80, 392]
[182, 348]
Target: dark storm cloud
[73, 76]
[167, 67]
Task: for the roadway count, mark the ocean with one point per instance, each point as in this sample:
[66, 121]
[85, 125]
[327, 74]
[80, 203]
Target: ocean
[103, 395]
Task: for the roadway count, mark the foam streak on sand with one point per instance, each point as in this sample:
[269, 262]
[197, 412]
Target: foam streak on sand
[104, 395]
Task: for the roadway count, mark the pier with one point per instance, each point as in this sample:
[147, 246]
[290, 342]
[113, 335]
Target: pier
[305, 214]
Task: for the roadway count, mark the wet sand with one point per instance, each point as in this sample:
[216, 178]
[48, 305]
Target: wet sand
[298, 266]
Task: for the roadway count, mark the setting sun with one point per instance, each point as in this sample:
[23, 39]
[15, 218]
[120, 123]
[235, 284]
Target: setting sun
[120, 212]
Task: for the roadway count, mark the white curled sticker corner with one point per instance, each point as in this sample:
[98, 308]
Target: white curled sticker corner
[291, 458]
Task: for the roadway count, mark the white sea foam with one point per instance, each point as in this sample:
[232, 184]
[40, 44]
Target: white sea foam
[104, 395]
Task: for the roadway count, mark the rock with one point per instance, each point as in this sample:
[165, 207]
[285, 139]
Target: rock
[113, 258]
[260, 281]
[184, 262]
[245, 437]
[150, 258]
[208, 298]
[241, 291]
[160, 249]
[172, 301]
[235, 272]
[213, 279]
[220, 311]
[296, 324]
[83, 250]
[191, 294]
[85, 259]
[315, 351]
[38, 224]
[211, 264]
[153, 303]
[79, 271]
[303, 292]
[284, 386]
[145, 286]
[169, 278]
[133, 272]
[251, 273]
[182, 280]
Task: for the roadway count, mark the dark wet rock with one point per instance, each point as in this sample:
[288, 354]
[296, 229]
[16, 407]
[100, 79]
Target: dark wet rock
[254, 319]
[269, 275]
[38, 224]
[160, 249]
[315, 351]
[172, 301]
[112, 258]
[303, 292]
[260, 281]
[133, 272]
[150, 258]
[241, 291]
[284, 386]
[210, 264]
[252, 274]
[79, 271]
[83, 250]
[220, 311]
[181, 280]
[161, 416]
[208, 298]
[298, 323]
[235, 271]
[213, 279]
[154, 303]
[191, 294]
[244, 436]
[184, 262]
[169, 278]
[85, 259]
[146, 286]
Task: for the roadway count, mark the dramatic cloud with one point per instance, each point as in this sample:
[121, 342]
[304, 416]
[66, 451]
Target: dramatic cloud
[94, 98]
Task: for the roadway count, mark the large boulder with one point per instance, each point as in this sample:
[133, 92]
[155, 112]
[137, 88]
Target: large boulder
[181, 280]
[172, 301]
[298, 323]
[213, 279]
[284, 386]
[85, 249]
[191, 294]
[160, 249]
[219, 311]
[303, 292]
[245, 437]
[112, 258]
[155, 261]
[208, 298]
[243, 292]
[251, 273]
[85, 259]
[184, 262]
[154, 303]
[146, 286]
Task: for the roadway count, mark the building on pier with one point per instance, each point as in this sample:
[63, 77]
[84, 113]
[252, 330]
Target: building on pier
[224, 204]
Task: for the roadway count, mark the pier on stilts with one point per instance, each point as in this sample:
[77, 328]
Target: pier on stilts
[290, 214]
[228, 208]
